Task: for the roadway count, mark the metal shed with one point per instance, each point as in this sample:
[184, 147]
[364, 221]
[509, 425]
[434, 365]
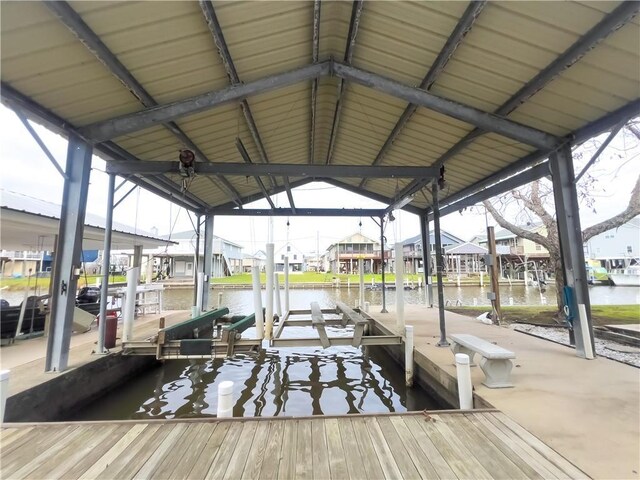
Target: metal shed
[375, 97]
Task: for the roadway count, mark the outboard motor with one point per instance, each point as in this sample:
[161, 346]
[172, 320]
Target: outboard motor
[88, 295]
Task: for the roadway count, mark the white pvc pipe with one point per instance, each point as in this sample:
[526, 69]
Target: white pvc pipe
[399, 288]
[149, 275]
[584, 327]
[361, 268]
[225, 400]
[130, 304]
[257, 300]
[366, 307]
[199, 286]
[408, 355]
[286, 285]
[276, 289]
[465, 389]
[219, 299]
[4, 391]
[481, 278]
[268, 321]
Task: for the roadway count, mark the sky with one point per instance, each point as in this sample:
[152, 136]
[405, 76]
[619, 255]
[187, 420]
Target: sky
[26, 169]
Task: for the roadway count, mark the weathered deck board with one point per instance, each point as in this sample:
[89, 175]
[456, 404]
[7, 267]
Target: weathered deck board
[482, 444]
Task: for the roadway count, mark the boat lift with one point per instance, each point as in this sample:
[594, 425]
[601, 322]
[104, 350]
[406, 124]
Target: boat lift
[215, 334]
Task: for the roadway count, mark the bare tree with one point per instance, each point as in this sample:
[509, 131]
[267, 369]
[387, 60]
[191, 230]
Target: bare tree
[536, 198]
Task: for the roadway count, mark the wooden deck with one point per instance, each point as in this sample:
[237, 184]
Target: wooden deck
[483, 444]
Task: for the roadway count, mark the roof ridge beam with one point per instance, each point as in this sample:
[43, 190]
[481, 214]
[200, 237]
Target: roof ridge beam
[77, 26]
[461, 29]
[273, 169]
[301, 212]
[488, 121]
[215, 29]
[356, 11]
[609, 24]
[149, 117]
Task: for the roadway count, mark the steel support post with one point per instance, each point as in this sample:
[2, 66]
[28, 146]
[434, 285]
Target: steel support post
[570, 236]
[106, 264]
[384, 297]
[439, 266]
[207, 260]
[196, 261]
[426, 257]
[65, 277]
[137, 256]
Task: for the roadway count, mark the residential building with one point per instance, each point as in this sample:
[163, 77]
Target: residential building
[296, 258]
[412, 249]
[343, 256]
[616, 248]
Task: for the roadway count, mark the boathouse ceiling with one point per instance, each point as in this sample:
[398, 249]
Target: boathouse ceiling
[483, 89]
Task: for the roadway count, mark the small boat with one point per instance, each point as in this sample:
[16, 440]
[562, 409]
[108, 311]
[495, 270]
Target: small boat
[34, 317]
[630, 277]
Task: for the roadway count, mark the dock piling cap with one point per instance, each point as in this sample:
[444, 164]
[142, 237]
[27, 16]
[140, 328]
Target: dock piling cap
[462, 359]
[4, 375]
[225, 388]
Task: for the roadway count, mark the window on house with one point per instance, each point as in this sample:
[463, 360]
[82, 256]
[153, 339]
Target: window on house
[629, 249]
[288, 248]
[538, 247]
[281, 257]
[295, 257]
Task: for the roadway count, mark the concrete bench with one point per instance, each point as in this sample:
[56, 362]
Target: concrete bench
[496, 361]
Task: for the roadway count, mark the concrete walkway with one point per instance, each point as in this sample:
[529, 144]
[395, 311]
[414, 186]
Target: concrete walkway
[26, 358]
[587, 410]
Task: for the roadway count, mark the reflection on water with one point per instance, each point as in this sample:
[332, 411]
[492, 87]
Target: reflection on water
[289, 381]
[241, 301]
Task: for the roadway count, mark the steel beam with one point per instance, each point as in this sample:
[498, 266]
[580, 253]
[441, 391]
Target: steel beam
[70, 18]
[106, 264]
[276, 169]
[368, 194]
[254, 197]
[479, 118]
[40, 143]
[439, 266]
[218, 38]
[207, 261]
[459, 32]
[570, 235]
[315, 50]
[522, 178]
[356, 11]
[289, 194]
[247, 159]
[604, 145]
[130, 123]
[68, 253]
[300, 212]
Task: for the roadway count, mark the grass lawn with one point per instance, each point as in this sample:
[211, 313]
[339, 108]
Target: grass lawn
[312, 277]
[16, 284]
[601, 314]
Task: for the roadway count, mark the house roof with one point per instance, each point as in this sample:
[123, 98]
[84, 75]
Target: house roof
[466, 249]
[354, 238]
[446, 237]
[503, 233]
[29, 223]
[501, 84]
[189, 234]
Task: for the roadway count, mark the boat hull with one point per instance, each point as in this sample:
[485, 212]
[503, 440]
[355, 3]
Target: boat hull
[625, 280]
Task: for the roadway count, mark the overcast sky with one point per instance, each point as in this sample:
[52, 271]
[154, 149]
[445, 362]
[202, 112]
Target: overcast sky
[26, 170]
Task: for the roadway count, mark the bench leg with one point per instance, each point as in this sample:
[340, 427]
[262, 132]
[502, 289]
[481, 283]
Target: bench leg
[497, 373]
[457, 348]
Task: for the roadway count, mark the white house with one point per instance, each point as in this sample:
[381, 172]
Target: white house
[296, 258]
[615, 248]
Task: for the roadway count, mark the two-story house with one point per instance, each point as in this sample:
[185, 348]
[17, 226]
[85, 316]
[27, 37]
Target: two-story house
[296, 258]
[412, 249]
[343, 256]
[616, 248]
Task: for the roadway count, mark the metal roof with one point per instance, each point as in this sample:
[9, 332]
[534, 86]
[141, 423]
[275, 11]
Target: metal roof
[566, 69]
[32, 224]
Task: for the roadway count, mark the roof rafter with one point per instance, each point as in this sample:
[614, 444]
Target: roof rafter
[461, 29]
[356, 11]
[218, 38]
[315, 50]
[609, 24]
[72, 20]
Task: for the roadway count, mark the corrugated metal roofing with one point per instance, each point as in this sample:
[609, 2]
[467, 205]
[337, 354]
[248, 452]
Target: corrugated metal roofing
[169, 50]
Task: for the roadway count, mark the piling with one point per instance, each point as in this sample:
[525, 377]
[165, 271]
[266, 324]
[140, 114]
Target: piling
[130, 304]
[276, 291]
[465, 389]
[268, 321]
[257, 300]
[199, 286]
[366, 307]
[399, 287]
[286, 284]
[361, 269]
[225, 400]
[586, 339]
[408, 355]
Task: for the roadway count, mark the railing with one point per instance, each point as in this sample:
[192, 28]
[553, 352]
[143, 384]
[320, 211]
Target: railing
[22, 255]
